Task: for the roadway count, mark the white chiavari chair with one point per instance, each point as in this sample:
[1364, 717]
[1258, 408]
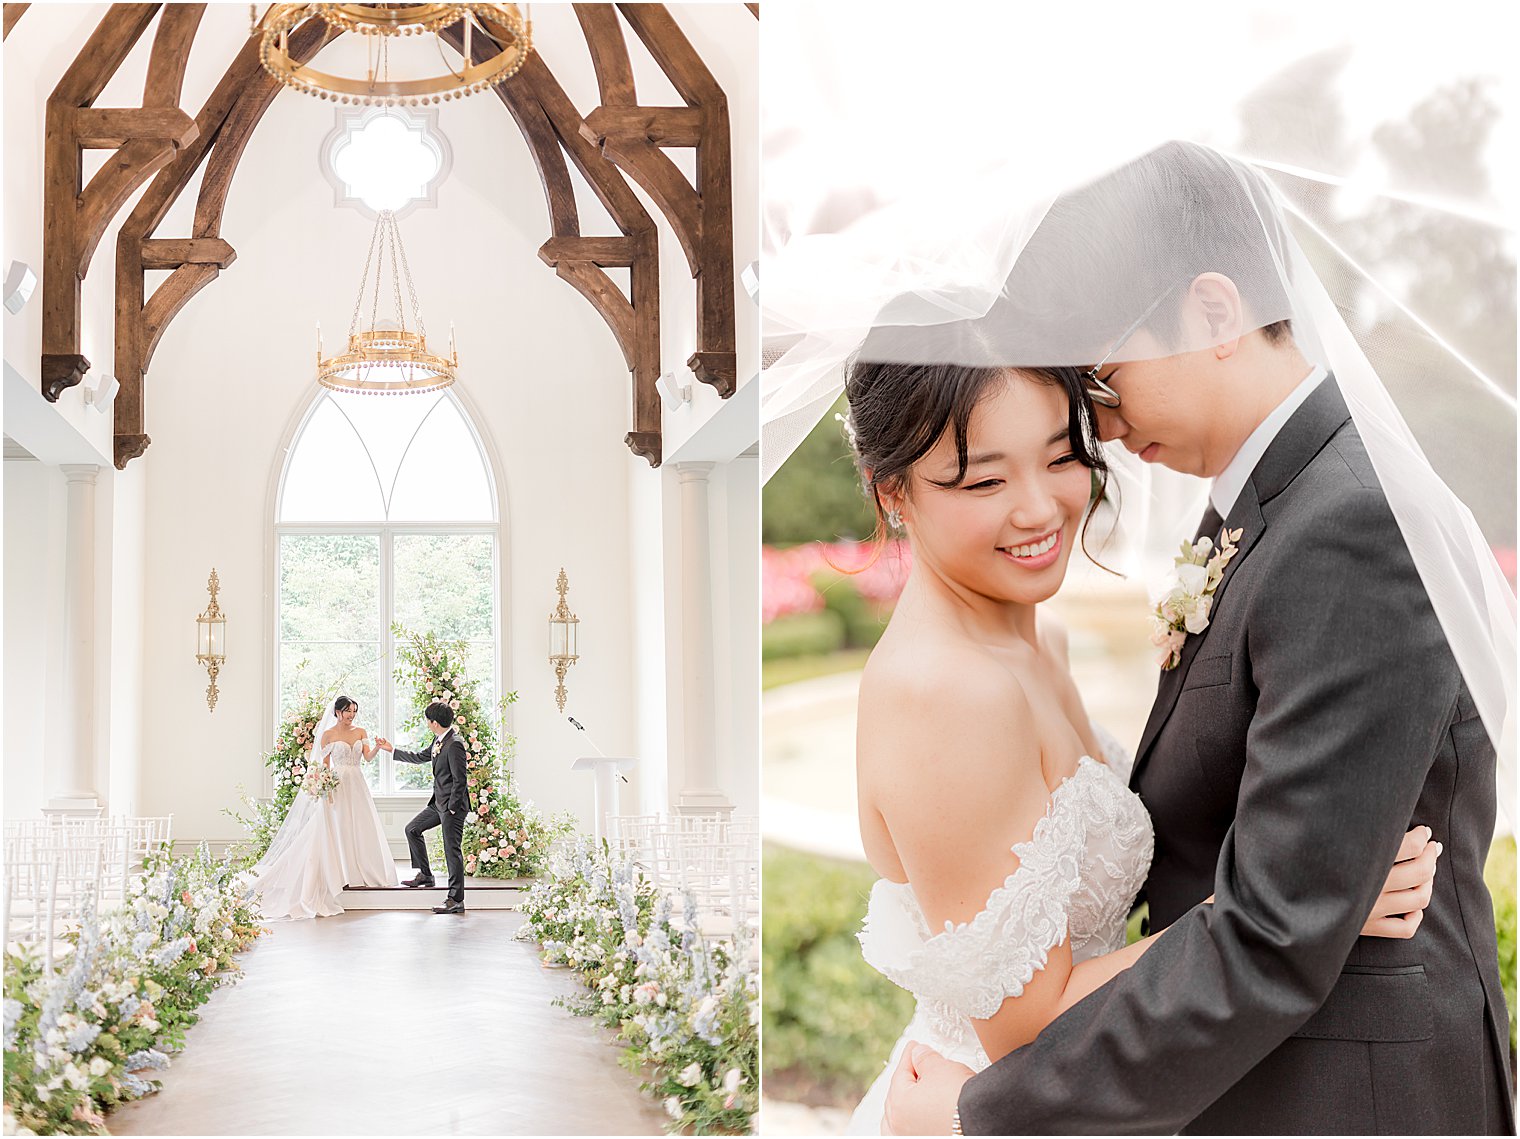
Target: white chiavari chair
[630, 835]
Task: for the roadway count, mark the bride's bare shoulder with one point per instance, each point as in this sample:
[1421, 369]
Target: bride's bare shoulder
[936, 673]
[943, 710]
[948, 758]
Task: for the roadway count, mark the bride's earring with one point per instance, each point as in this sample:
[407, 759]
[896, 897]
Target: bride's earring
[894, 518]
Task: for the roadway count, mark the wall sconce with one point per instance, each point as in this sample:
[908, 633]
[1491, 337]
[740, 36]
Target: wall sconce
[19, 283]
[100, 391]
[562, 640]
[673, 392]
[211, 646]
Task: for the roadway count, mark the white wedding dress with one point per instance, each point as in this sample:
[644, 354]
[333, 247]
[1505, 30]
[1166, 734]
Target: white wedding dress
[324, 845]
[1078, 876]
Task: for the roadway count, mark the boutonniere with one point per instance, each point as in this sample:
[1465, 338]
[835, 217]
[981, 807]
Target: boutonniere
[1184, 607]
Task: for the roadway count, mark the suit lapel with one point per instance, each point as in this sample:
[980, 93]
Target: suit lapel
[1301, 438]
[1246, 517]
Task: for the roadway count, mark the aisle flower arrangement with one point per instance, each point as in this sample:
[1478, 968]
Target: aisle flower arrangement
[687, 1006]
[504, 836]
[86, 1037]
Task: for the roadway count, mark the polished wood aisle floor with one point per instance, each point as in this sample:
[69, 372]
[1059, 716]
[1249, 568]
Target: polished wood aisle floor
[395, 1023]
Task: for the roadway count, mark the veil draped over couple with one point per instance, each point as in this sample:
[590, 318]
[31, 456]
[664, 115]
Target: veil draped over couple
[1308, 811]
[330, 842]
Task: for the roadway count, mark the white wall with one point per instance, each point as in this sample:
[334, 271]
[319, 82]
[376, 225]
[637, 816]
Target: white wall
[35, 700]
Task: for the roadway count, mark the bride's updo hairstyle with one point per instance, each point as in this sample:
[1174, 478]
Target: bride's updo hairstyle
[343, 704]
[898, 412]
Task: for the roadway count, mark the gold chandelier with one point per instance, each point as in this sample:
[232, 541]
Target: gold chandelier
[387, 358]
[502, 25]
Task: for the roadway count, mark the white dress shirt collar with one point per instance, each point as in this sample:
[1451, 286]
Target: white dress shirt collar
[1232, 480]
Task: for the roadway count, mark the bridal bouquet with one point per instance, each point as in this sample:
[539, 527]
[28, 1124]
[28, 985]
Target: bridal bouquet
[320, 782]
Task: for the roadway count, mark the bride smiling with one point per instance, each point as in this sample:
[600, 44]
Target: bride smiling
[1009, 845]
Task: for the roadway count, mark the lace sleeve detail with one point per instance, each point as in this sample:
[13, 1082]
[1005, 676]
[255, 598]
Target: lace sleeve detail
[1115, 754]
[971, 969]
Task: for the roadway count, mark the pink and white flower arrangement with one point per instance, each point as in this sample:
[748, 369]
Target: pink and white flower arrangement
[1184, 605]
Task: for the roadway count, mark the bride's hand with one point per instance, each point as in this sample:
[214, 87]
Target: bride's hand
[1400, 908]
[922, 1096]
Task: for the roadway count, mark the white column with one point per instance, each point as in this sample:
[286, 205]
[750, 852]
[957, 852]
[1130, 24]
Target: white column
[700, 793]
[73, 784]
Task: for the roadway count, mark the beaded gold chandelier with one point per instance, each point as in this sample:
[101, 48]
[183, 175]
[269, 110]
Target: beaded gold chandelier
[502, 25]
[387, 358]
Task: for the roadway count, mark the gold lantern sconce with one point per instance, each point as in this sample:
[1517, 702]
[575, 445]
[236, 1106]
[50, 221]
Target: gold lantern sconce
[211, 644]
[562, 640]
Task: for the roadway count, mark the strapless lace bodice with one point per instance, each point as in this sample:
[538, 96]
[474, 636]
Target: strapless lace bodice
[345, 754]
[1078, 876]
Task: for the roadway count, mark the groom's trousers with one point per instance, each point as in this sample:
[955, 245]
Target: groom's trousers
[453, 843]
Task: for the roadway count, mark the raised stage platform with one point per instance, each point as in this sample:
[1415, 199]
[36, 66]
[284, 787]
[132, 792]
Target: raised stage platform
[479, 894]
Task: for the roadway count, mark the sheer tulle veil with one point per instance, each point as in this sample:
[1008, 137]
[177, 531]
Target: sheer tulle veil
[1010, 216]
[303, 806]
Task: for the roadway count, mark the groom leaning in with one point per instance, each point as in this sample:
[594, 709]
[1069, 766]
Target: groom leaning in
[447, 808]
[1319, 715]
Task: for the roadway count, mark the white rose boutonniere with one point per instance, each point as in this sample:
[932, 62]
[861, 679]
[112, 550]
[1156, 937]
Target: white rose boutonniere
[1184, 606]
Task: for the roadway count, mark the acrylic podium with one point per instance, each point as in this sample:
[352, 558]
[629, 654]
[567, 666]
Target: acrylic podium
[605, 770]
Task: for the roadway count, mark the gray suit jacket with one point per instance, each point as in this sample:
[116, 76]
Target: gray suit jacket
[1317, 718]
[450, 779]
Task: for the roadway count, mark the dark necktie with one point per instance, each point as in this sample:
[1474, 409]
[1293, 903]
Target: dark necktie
[1210, 525]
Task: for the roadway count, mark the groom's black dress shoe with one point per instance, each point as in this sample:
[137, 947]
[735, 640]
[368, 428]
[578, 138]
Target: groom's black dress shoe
[450, 908]
[418, 881]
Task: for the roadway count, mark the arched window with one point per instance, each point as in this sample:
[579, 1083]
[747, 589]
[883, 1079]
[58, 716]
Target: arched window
[386, 513]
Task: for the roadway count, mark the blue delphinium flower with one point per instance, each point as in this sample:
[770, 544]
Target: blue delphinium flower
[13, 1010]
[81, 1037]
[167, 955]
[150, 1058]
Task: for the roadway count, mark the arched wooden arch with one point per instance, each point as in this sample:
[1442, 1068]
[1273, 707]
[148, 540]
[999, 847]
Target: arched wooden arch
[159, 139]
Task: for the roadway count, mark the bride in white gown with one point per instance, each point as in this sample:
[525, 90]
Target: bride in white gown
[327, 844]
[1009, 844]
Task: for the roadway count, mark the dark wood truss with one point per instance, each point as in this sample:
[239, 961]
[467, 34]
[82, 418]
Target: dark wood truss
[145, 139]
[159, 141]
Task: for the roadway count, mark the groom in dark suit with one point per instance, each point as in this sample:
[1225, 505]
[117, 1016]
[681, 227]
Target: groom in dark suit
[447, 808]
[1318, 716]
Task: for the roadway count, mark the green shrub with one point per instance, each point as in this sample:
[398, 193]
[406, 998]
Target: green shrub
[816, 495]
[830, 1020]
[802, 634]
[863, 622]
[1500, 876]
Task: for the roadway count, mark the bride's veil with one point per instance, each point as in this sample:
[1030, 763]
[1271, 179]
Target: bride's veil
[303, 807]
[1068, 219]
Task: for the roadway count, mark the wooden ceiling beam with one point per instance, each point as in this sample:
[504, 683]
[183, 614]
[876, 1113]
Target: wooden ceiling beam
[195, 261]
[98, 128]
[171, 54]
[172, 252]
[75, 217]
[609, 54]
[605, 252]
[13, 12]
[553, 128]
[663, 126]
[702, 214]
